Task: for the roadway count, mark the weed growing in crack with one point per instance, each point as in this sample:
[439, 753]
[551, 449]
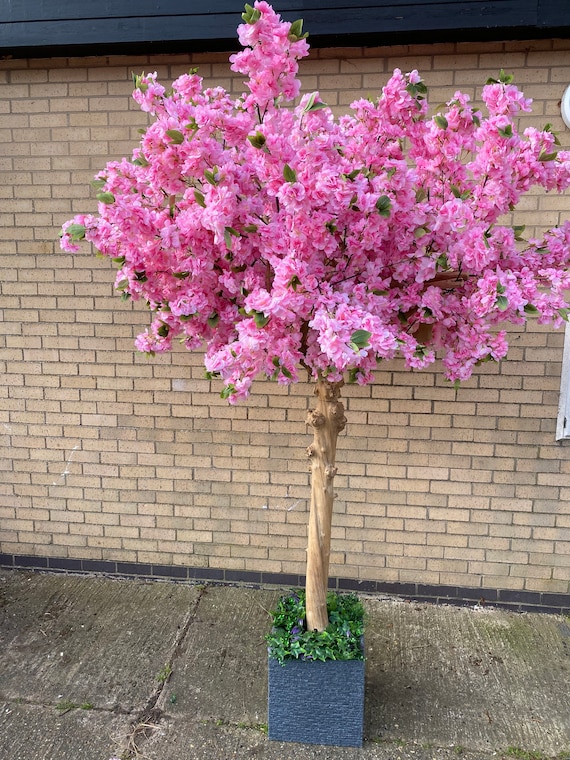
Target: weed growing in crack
[66, 705]
[164, 674]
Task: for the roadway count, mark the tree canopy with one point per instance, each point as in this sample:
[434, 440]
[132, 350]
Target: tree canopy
[280, 237]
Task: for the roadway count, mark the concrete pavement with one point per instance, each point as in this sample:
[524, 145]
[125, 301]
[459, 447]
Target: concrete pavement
[94, 668]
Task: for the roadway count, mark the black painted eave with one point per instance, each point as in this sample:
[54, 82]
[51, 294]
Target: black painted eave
[72, 27]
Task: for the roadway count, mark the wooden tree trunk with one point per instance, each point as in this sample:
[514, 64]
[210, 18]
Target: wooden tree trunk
[327, 421]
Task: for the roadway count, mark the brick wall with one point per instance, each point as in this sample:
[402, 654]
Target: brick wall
[108, 456]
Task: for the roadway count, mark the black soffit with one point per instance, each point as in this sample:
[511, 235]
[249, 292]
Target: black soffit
[109, 27]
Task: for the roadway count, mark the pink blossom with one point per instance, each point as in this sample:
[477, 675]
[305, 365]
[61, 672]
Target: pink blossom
[278, 237]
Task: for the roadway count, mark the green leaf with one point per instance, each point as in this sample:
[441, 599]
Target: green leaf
[97, 184]
[76, 231]
[227, 391]
[260, 319]
[105, 198]
[383, 205]
[290, 175]
[213, 320]
[199, 198]
[163, 330]
[138, 83]
[250, 228]
[230, 232]
[458, 194]
[417, 90]
[294, 282]
[549, 128]
[119, 260]
[564, 313]
[507, 131]
[211, 176]
[518, 229]
[251, 15]
[296, 29]
[360, 339]
[318, 106]
[420, 232]
[442, 261]
[505, 78]
[421, 195]
[141, 161]
[441, 121]
[257, 140]
[176, 137]
[353, 375]
[502, 303]
[530, 309]
[181, 275]
[548, 156]
[313, 104]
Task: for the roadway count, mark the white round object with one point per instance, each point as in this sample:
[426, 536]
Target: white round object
[565, 107]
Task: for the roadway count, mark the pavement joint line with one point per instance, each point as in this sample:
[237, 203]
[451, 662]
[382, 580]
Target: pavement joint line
[148, 719]
[114, 710]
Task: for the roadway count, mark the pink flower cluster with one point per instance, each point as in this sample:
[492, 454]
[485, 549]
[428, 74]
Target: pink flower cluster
[280, 237]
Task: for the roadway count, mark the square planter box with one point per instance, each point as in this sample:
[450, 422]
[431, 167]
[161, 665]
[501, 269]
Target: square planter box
[315, 702]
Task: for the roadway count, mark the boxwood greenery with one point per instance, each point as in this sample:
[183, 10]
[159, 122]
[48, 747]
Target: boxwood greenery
[341, 640]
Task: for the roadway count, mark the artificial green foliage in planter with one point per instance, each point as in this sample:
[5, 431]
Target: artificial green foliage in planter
[316, 678]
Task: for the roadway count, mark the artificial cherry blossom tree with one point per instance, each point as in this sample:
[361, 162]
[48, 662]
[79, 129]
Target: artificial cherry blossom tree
[284, 240]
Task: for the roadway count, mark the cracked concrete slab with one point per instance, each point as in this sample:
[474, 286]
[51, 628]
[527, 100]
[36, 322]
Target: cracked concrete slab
[483, 677]
[206, 741]
[221, 669]
[38, 732]
[441, 682]
[90, 640]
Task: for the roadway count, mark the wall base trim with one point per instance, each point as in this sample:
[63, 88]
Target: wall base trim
[519, 601]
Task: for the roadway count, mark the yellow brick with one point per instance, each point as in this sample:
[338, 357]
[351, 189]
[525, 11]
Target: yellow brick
[163, 457]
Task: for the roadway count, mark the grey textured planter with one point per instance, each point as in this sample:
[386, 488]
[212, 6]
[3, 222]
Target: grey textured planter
[317, 702]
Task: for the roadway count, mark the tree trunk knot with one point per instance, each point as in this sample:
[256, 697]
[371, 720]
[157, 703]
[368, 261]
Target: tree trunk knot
[311, 451]
[332, 390]
[337, 413]
[316, 419]
[330, 471]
